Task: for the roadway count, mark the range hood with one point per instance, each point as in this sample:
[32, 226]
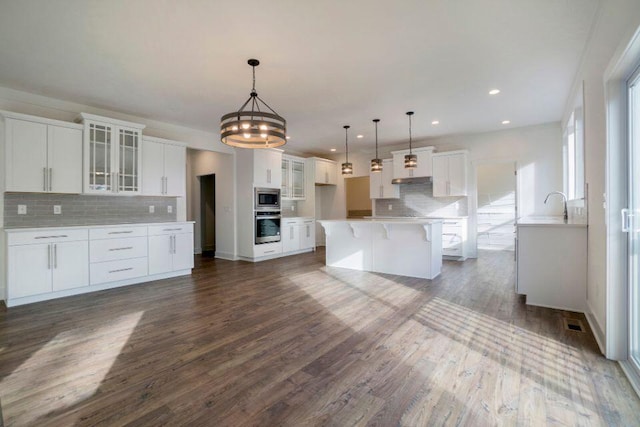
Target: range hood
[416, 180]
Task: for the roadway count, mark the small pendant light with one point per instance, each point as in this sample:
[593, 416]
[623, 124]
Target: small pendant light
[376, 164]
[410, 160]
[347, 168]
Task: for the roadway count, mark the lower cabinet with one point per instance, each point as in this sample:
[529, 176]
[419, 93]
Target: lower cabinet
[298, 234]
[40, 268]
[454, 237]
[170, 248]
[55, 262]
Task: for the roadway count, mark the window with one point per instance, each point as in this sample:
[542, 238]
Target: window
[573, 152]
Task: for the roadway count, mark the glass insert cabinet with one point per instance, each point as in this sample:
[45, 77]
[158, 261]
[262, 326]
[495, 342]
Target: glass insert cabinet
[112, 155]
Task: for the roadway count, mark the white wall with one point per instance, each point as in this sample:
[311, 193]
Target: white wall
[537, 150]
[616, 22]
[222, 165]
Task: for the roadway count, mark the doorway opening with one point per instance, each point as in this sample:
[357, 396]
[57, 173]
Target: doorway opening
[358, 200]
[208, 214]
[497, 206]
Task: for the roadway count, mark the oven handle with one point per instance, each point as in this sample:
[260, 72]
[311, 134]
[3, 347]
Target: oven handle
[268, 217]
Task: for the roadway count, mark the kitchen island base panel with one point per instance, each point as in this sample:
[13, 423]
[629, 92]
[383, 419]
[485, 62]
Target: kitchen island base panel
[411, 249]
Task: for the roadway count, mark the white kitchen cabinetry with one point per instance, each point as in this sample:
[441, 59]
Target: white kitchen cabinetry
[163, 167]
[325, 171]
[298, 234]
[267, 168]
[293, 178]
[56, 262]
[551, 264]
[42, 155]
[170, 248]
[118, 253]
[450, 174]
[112, 155]
[36, 268]
[424, 163]
[454, 237]
[380, 186]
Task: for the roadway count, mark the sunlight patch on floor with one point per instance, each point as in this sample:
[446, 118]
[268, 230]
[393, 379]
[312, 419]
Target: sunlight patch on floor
[66, 370]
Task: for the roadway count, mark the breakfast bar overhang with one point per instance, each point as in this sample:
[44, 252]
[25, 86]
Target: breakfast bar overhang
[404, 247]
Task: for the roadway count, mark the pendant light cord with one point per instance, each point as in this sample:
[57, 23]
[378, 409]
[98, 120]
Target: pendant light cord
[410, 139]
[346, 142]
[376, 139]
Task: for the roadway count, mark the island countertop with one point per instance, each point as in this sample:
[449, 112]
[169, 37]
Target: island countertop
[408, 221]
[551, 221]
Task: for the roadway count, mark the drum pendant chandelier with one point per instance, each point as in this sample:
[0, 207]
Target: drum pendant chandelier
[376, 164]
[254, 127]
[410, 160]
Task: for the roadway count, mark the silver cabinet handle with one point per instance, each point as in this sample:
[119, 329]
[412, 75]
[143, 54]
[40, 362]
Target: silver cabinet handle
[59, 236]
[291, 233]
[121, 249]
[308, 230]
[269, 252]
[119, 270]
[172, 229]
[120, 232]
[326, 177]
[55, 256]
[50, 179]
[44, 179]
[48, 257]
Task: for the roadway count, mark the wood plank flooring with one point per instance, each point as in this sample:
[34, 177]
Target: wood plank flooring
[290, 342]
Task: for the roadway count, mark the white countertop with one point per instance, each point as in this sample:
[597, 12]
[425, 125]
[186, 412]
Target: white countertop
[416, 217]
[412, 221]
[84, 227]
[550, 221]
[289, 218]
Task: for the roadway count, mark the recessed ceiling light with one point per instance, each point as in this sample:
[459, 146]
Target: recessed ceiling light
[435, 122]
[333, 149]
[288, 137]
[359, 136]
[494, 91]
[506, 122]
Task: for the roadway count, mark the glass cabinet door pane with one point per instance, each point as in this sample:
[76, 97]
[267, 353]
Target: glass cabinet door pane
[99, 157]
[128, 152]
[285, 179]
[297, 169]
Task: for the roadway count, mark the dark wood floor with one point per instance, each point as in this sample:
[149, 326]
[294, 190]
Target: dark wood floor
[291, 342]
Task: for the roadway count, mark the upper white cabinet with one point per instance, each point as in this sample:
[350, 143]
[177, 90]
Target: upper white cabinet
[112, 155]
[163, 167]
[267, 167]
[450, 174]
[424, 163]
[326, 171]
[42, 155]
[293, 178]
[380, 186]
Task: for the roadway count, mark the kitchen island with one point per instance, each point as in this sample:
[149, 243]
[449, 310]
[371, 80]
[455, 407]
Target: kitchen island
[405, 247]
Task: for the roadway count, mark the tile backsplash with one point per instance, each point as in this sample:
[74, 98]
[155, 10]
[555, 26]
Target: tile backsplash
[287, 212]
[80, 209]
[418, 200]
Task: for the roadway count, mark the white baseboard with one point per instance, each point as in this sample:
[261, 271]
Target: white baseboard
[227, 256]
[274, 256]
[632, 375]
[598, 333]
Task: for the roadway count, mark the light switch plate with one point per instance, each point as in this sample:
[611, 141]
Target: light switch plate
[169, 209]
[293, 208]
[22, 209]
[57, 209]
[152, 209]
[390, 207]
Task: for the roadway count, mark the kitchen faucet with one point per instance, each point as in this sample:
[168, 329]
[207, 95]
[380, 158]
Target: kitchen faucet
[564, 199]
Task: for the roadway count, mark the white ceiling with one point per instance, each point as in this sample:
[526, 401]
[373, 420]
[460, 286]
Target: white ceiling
[324, 63]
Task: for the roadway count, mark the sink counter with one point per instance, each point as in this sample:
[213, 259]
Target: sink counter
[552, 221]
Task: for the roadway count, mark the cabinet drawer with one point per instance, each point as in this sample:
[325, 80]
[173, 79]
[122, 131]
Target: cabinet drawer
[113, 249]
[267, 249]
[453, 251]
[46, 236]
[159, 230]
[117, 232]
[112, 271]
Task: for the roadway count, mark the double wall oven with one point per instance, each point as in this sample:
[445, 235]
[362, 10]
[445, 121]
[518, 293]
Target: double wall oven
[267, 215]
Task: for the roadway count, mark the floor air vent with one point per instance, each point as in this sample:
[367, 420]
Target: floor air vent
[574, 325]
